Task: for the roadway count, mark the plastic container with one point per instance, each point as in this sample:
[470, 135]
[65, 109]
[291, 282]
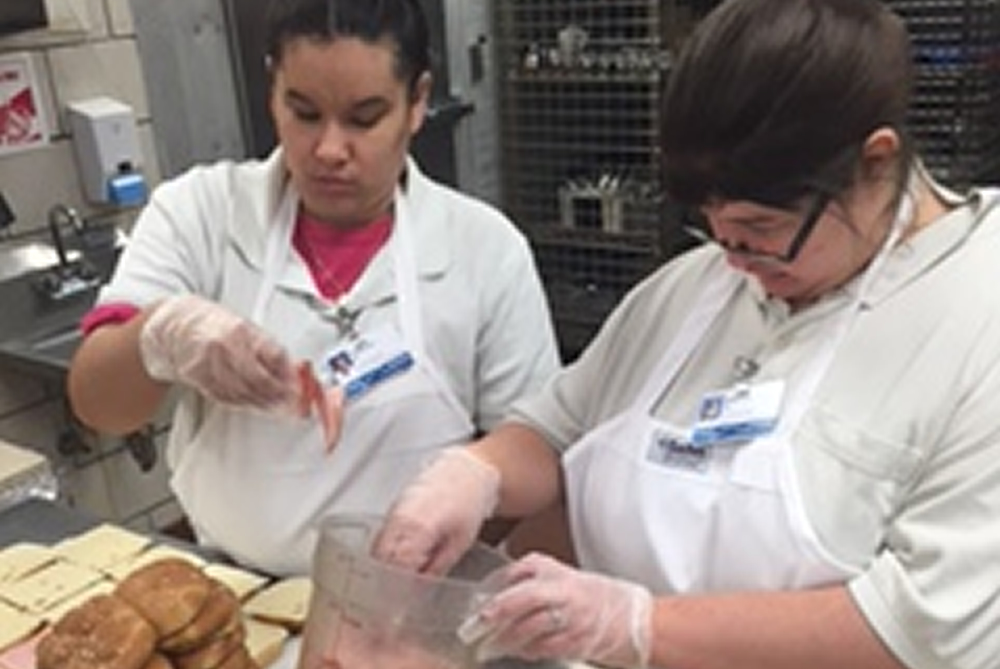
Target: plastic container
[366, 614]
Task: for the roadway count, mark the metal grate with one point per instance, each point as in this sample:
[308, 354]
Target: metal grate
[956, 103]
[581, 85]
[580, 89]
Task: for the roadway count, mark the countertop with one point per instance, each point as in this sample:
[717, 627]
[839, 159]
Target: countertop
[24, 474]
[45, 522]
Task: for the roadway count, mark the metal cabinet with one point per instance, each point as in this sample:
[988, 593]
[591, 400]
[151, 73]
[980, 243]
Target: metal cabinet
[580, 88]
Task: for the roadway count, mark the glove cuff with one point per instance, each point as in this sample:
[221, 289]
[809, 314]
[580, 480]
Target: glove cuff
[154, 344]
[487, 475]
[641, 625]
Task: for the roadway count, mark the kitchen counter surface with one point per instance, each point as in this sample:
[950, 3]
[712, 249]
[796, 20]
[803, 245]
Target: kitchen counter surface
[45, 522]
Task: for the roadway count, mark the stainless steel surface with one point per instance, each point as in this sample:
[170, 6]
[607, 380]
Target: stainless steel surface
[24, 475]
[20, 258]
[43, 298]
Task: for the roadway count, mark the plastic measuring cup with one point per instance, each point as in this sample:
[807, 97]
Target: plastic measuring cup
[366, 614]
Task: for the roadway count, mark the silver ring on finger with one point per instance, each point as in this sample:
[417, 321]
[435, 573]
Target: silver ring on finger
[557, 619]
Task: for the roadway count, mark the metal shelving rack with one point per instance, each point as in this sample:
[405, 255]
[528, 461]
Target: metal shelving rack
[581, 84]
[955, 116]
[580, 88]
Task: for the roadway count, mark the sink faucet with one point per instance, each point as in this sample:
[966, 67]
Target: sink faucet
[68, 279]
[58, 215]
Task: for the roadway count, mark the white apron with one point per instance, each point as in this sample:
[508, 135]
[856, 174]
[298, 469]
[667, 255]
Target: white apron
[740, 524]
[255, 485]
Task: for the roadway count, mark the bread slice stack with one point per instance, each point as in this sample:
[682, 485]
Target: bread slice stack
[166, 614]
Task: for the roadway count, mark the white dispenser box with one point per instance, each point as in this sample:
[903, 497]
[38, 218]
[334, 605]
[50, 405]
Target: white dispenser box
[107, 151]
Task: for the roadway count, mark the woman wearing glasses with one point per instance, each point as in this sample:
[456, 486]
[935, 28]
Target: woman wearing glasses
[783, 448]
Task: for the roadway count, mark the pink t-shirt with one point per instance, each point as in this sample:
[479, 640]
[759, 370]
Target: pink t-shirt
[335, 257]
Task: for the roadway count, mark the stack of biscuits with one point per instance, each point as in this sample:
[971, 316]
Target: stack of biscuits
[166, 615]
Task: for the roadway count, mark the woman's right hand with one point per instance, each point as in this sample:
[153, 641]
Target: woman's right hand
[188, 339]
[438, 516]
[194, 341]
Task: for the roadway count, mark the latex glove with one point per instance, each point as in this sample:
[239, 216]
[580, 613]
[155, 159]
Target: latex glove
[191, 340]
[437, 517]
[546, 609]
[194, 341]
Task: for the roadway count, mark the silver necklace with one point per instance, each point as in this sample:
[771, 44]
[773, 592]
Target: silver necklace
[337, 310]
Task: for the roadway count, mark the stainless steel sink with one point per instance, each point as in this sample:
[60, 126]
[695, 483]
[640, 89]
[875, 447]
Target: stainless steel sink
[39, 330]
[19, 259]
[64, 339]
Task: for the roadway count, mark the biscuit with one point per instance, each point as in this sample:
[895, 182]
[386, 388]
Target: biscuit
[157, 661]
[104, 632]
[213, 653]
[221, 606]
[120, 571]
[170, 593]
[240, 659]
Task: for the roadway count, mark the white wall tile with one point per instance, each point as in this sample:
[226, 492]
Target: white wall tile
[35, 180]
[94, 69]
[68, 16]
[120, 17]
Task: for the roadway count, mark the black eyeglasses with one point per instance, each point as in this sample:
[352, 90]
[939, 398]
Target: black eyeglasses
[702, 232]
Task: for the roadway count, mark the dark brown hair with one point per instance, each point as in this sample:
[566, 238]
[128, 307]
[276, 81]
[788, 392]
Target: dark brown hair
[401, 21]
[772, 100]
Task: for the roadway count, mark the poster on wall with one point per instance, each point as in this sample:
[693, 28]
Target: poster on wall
[22, 116]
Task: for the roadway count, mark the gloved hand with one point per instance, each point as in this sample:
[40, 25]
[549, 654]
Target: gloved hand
[438, 516]
[191, 340]
[194, 341]
[546, 609]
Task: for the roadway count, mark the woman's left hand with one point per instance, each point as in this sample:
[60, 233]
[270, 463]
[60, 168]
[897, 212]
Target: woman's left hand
[546, 609]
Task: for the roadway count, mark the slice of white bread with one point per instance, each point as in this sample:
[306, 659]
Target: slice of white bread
[47, 587]
[102, 547]
[264, 641]
[19, 560]
[16, 626]
[285, 603]
[242, 582]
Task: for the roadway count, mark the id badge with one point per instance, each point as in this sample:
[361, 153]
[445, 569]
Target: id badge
[741, 413]
[676, 450]
[365, 361]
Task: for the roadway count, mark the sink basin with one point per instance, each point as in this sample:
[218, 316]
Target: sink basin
[39, 329]
[19, 259]
[65, 337]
